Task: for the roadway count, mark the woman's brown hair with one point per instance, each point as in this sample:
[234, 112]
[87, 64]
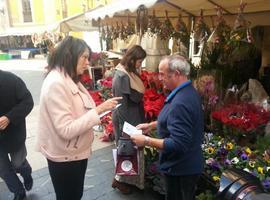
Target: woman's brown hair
[66, 56]
[133, 54]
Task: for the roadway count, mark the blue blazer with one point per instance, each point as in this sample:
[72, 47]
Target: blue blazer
[180, 124]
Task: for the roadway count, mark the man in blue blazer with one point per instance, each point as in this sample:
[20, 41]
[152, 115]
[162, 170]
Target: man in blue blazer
[16, 103]
[180, 128]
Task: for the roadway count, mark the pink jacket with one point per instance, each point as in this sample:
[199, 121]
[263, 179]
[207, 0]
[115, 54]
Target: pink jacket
[66, 119]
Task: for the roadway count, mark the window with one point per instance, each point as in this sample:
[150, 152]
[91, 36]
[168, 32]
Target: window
[26, 9]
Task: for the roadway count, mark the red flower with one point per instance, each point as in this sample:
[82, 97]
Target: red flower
[106, 82]
[108, 134]
[96, 97]
[151, 80]
[85, 78]
[245, 117]
[153, 103]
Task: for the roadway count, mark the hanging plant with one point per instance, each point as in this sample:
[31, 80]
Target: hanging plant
[166, 29]
[122, 33]
[215, 53]
[241, 31]
[130, 28]
[240, 44]
[181, 32]
[222, 30]
[108, 38]
[116, 31]
[108, 32]
[103, 33]
[154, 25]
[202, 31]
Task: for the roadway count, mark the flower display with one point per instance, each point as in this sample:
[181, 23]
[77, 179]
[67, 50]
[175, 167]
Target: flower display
[96, 97]
[153, 103]
[105, 92]
[206, 85]
[105, 88]
[86, 80]
[98, 58]
[245, 117]
[108, 134]
[153, 96]
[221, 154]
[153, 99]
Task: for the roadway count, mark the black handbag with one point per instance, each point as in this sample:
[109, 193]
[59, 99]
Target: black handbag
[125, 147]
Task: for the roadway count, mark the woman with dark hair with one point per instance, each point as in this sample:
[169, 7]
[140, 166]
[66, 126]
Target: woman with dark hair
[128, 85]
[67, 116]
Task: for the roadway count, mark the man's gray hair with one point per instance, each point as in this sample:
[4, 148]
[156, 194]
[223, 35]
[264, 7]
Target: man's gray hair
[178, 63]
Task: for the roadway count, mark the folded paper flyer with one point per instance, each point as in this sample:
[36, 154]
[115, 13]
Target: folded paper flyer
[130, 130]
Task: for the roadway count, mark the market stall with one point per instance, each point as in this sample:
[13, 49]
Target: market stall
[227, 42]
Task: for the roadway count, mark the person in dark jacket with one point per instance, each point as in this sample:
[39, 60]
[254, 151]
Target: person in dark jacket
[180, 127]
[128, 85]
[16, 103]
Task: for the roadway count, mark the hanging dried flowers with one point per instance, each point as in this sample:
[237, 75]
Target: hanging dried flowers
[240, 44]
[202, 31]
[103, 33]
[116, 31]
[166, 28]
[154, 25]
[241, 30]
[122, 33]
[181, 32]
[222, 30]
[127, 30]
[108, 39]
[108, 32]
[130, 28]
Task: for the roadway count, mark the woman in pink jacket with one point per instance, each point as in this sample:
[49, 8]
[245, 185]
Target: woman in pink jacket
[67, 116]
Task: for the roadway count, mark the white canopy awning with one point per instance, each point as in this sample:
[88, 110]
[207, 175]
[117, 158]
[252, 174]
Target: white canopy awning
[257, 11]
[78, 22]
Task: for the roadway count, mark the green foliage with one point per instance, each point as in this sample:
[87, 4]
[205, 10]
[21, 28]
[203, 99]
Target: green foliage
[262, 144]
[153, 178]
[207, 195]
[193, 71]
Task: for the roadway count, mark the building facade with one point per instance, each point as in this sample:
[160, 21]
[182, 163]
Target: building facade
[29, 13]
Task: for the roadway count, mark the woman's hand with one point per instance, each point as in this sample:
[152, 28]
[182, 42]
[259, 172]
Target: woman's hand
[110, 104]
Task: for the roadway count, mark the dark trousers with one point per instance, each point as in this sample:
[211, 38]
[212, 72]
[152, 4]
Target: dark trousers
[181, 187]
[10, 165]
[68, 178]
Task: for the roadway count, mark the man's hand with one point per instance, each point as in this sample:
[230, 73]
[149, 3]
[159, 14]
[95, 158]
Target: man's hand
[139, 140]
[4, 122]
[146, 127]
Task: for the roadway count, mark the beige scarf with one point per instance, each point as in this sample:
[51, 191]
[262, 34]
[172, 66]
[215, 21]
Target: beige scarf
[135, 81]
